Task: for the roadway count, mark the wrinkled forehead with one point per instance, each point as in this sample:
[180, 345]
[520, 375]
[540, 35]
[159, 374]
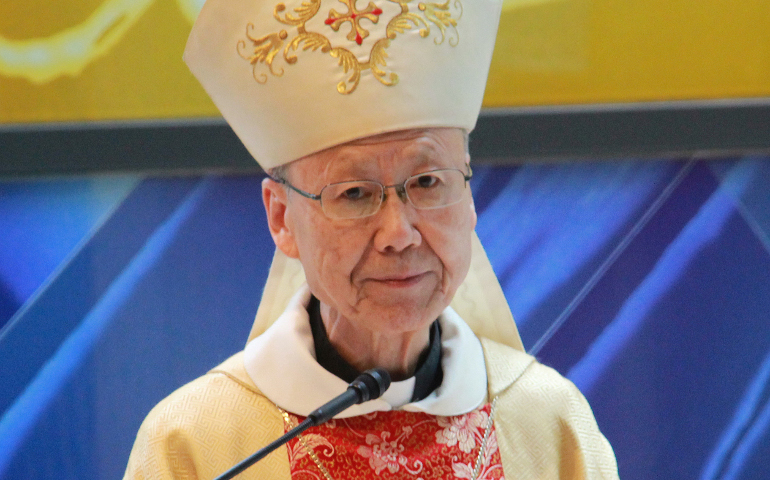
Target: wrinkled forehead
[411, 134]
[397, 153]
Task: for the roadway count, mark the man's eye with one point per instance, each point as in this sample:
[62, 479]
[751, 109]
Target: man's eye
[426, 181]
[354, 193]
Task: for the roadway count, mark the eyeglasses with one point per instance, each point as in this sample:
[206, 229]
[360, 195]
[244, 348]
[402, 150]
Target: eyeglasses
[362, 198]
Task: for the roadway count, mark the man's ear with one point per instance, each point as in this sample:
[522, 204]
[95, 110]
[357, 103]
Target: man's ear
[275, 198]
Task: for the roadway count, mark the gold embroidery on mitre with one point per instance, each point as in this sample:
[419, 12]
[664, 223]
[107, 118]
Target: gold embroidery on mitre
[439, 14]
[354, 16]
[264, 49]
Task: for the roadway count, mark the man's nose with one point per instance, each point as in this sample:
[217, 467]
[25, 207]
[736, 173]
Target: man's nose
[396, 230]
[400, 192]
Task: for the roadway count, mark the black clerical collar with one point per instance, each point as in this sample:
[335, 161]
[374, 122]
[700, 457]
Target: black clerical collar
[427, 377]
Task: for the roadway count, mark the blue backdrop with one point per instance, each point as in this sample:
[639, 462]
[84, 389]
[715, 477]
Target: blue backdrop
[646, 282]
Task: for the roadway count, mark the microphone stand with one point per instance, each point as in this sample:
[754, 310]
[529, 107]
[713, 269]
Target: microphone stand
[367, 386]
[263, 452]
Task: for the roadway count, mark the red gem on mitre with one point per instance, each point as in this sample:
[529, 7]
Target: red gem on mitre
[353, 15]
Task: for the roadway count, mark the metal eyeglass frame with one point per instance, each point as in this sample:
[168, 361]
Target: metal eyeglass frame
[399, 187]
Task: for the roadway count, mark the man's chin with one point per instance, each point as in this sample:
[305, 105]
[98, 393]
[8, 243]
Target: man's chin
[404, 314]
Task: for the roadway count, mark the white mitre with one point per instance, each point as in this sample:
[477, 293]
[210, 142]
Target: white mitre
[296, 77]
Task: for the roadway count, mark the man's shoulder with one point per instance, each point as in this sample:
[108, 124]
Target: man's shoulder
[221, 394]
[546, 428]
[205, 427]
[513, 372]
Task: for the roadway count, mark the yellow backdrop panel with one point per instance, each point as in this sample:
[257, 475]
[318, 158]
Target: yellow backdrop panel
[73, 60]
[595, 51]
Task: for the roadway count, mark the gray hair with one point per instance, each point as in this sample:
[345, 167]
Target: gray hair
[279, 173]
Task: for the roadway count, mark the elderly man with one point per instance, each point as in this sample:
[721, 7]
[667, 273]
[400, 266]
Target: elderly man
[369, 206]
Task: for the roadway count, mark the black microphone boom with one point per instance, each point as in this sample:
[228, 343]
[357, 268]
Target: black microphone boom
[369, 385]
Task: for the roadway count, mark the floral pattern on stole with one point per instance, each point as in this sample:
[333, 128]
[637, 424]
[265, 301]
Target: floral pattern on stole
[396, 445]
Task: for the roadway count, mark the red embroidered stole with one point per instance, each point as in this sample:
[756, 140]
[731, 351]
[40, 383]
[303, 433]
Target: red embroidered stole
[396, 445]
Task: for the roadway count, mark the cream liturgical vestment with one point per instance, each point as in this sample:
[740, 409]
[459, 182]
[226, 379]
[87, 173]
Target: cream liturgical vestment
[542, 427]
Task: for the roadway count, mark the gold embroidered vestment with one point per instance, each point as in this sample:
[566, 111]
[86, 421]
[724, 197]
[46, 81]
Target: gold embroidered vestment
[544, 427]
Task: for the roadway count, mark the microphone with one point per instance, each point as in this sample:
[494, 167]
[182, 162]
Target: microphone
[368, 386]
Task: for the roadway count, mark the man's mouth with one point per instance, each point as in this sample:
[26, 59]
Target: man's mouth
[401, 280]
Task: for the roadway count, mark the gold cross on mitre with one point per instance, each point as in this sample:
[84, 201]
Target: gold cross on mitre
[357, 32]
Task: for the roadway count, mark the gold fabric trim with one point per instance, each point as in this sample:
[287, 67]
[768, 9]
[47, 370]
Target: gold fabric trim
[264, 49]
[237, 380]
[289, 424]
[483, 446]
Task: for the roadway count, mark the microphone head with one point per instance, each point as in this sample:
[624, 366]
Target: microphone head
[371, 384]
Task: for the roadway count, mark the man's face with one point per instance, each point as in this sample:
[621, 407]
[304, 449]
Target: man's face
[392, 272]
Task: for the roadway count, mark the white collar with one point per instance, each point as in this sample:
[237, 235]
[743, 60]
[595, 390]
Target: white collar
[281, 363]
